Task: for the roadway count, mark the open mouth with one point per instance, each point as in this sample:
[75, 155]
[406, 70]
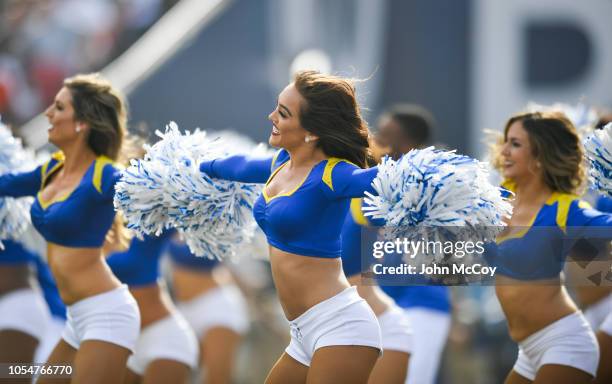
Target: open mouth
[275, 131]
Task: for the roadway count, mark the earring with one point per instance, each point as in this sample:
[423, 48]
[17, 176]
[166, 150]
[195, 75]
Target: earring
[538, 164]
[307, 139]
[78, 129]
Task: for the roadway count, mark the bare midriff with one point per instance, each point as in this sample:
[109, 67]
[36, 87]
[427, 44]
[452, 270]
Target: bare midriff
[530, 306]
[303, 281]
[80, 272]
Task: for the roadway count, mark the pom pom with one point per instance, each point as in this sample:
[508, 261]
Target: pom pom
[433, 195]
[598, 148]
[214, 216]
[167, 189]
[14, 212]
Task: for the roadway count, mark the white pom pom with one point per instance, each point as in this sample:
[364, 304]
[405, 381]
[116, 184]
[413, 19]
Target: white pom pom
[167, 189]
[142, 191]
[139, 194]
[14, 213]
[598, 148]
[432, 195]
[210, 214]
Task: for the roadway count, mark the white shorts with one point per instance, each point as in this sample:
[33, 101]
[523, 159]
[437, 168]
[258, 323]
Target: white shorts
[344, 319]
[111, 316]
[395, 330]
[569, 341]
[53, 334]
[606, 326]
[223, 306]
[430, 330]
[170, 338]
[596, 313]
[24, 310]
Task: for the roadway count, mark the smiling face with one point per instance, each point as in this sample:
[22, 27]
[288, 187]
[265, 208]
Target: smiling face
[287, 132]
[60, 114]
[519, 163]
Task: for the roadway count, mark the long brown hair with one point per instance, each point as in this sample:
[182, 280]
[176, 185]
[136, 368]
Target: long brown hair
[103, 108]
[556, 145]
[97, 103]
[332, 113]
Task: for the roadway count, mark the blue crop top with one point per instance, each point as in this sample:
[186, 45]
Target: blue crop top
[181, 255]
[307, 220]
[539, 251]
[139, 265]
[81, 218]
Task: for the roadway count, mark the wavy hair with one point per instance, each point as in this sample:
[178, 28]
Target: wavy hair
[331, 112]
[555, 144]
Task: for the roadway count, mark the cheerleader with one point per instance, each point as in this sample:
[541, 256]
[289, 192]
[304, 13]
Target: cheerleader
[335, 336]
[213, 306]
[541, 158]
[166, 350]
[73, 211]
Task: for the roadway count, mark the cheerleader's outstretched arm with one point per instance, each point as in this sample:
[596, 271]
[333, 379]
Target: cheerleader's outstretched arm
[20, 184]
[241, 168]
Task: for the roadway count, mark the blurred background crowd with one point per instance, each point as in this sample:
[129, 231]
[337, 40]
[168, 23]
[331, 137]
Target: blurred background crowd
[43, 41]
